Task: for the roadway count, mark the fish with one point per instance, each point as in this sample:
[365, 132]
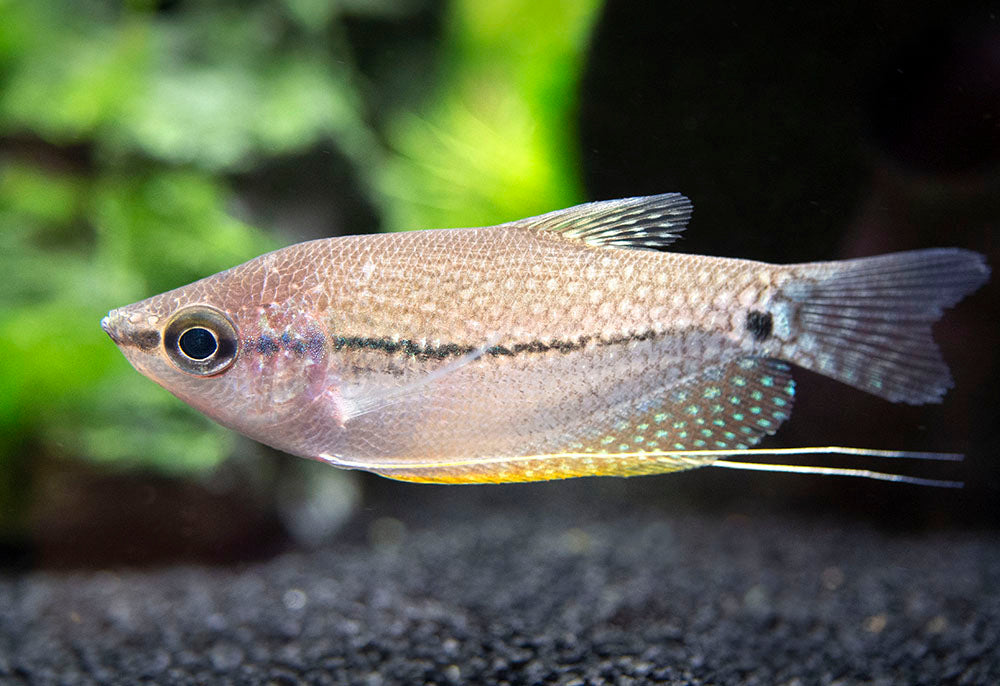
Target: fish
[565, 345]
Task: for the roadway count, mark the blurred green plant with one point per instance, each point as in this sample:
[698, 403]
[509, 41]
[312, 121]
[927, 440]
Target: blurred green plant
[123, 126]
[496, 141]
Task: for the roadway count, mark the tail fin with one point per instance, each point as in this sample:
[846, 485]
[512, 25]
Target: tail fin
[867, 322]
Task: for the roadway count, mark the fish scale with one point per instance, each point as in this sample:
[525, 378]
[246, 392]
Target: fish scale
[568, 344]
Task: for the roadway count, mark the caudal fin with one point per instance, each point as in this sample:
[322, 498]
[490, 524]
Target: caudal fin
[867, 322]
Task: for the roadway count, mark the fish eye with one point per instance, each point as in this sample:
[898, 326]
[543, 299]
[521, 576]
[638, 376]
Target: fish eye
[198, 343]
[201, 340]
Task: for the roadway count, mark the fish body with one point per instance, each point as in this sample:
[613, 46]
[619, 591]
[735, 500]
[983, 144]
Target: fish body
[550, 347]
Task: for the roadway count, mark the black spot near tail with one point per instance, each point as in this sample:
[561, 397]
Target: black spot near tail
[759, 324]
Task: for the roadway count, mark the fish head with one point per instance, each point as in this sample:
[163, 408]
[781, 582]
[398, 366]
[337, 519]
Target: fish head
[254, 363]
[189, 349]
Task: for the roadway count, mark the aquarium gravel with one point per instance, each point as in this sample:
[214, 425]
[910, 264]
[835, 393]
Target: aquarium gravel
[551, 590]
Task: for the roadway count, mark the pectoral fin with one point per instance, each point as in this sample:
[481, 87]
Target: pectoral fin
[364, 403]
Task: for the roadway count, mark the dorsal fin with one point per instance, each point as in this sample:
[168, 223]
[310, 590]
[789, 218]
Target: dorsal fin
[648, 222]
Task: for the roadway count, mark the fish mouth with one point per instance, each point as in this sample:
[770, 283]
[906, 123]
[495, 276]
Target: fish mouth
[109, 324]
[127, 334]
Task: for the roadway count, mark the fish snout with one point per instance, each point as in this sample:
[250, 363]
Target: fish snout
[131, 330]
[110, 324]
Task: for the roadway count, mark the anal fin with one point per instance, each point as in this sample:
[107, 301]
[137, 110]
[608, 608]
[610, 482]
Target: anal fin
[728, 407]
[720, 411]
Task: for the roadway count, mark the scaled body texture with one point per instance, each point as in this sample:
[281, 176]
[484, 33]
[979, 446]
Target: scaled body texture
[557, 346]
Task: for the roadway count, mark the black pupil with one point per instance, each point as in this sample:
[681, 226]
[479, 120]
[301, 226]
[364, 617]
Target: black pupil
[198, 343]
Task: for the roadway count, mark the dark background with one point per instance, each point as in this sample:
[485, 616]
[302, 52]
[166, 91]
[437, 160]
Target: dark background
[811, 133]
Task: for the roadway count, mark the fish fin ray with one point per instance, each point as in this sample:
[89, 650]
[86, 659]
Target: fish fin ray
[645, 223]
[727, 408]
[869, 320]
[733, 405]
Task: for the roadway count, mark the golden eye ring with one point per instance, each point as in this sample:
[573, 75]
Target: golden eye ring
[201, 340]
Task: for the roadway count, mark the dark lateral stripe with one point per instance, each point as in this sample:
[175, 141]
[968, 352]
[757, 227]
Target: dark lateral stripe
[446, 350]
[311, 343]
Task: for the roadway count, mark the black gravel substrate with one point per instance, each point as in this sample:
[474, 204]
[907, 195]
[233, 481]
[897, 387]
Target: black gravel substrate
[549, 588]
